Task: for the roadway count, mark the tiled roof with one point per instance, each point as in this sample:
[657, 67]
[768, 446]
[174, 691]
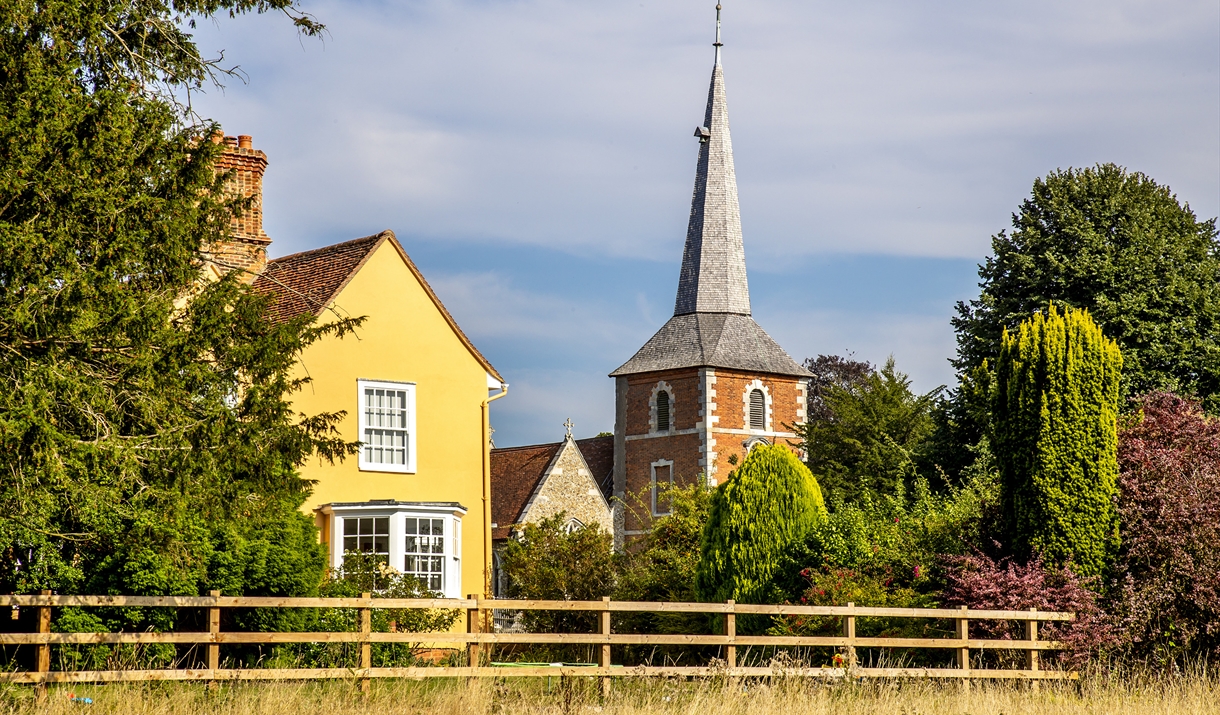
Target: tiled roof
[515, 473]
[599, 455]
[724, 340]
[308, 282]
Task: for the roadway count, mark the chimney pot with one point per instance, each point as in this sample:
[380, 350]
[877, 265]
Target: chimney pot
[217, 137]
[231, 142]
[245, 141]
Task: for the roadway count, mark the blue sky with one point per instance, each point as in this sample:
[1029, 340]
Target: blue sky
[535, 157]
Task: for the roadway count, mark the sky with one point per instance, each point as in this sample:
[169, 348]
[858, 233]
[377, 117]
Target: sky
[536, 157]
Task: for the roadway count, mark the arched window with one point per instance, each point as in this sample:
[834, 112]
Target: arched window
[573, 525]
[758, 410]
[663, 411]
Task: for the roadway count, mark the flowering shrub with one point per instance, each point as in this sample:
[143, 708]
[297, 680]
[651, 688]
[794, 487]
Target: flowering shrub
[979, 581]
[1167, 593]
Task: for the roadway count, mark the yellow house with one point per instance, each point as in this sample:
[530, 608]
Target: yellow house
[415, 390]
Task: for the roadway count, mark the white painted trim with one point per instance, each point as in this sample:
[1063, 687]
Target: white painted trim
[451, 579]
[409, 388]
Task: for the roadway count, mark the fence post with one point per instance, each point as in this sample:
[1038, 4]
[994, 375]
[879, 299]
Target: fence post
[366, 647]
[731, 631]
[1031, 655]
[963, 634]
[474, 624]
[603, 658]
[849, 632]
[44, 649]
[214, 645]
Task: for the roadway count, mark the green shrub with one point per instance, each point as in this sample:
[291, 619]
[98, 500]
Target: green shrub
[1055, 432]
[766, 505]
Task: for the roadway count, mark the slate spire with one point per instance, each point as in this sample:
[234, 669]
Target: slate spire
[713, 278]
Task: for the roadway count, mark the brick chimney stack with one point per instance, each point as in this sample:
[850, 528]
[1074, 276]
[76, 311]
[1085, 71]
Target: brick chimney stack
[246, 248]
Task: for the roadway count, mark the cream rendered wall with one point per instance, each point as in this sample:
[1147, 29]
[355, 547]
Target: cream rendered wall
[404, 338]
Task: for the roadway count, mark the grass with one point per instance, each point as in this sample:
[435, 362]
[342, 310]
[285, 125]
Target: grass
[1194, 694]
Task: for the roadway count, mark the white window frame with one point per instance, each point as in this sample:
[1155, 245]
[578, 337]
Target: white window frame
[654, 491]
[366, 465]
[398, 513]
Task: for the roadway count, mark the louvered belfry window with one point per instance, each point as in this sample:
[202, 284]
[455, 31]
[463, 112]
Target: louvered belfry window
[663, 411]
[758, 410]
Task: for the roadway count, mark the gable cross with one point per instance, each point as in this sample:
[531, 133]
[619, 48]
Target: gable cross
[568, 423]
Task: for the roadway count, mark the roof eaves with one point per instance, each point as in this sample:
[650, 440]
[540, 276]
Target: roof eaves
[441, 307]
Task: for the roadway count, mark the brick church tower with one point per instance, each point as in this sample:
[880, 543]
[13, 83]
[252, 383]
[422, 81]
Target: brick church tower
[711, 383]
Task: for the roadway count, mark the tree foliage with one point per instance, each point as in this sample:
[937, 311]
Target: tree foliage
[765, 506]
[1167, 596]
[865, 431]
[1121, 246]
[552, 562]
[1055, 432]
[980, 581]
[149, 443]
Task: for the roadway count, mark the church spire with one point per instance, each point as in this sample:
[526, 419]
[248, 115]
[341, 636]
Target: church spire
[713, 278]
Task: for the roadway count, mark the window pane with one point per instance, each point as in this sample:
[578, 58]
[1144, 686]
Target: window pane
[381, 525]
[349, 527]
[410, 526]
[349, 543]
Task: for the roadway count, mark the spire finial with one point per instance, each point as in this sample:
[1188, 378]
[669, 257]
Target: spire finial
[717, 44]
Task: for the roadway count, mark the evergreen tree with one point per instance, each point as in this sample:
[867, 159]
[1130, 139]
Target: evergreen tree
[149, 446]
[1055, 437]
[766, 505]
[864, 434]
[1121, 246]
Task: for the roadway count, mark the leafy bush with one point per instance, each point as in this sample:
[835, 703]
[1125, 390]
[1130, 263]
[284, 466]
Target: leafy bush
[979, 581]
[661, 566]
[1167, 599]
[767, 505]
[894, 541]
[1055, 436]
[361, 573]
[551, 562]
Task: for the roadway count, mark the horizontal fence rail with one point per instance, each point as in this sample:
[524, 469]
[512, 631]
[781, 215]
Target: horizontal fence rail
[477, 639]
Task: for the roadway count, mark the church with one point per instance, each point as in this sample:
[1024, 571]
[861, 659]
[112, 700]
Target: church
[711, 383]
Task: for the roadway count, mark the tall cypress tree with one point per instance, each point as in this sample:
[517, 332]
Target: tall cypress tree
[767, 504]
[1055, 424]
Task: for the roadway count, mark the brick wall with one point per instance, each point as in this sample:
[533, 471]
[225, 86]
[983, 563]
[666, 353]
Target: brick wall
[246, 249]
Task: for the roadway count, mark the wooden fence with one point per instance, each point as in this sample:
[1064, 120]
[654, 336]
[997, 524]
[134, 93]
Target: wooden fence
[477, 640]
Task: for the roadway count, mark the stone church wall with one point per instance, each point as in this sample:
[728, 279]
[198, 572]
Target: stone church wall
[570, 488]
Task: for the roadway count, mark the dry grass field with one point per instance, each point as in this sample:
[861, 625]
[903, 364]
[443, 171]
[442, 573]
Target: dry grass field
[1096, 695]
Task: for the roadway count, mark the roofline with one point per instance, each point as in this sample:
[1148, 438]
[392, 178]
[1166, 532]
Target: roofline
[491, 370]
[527, 446]
[393, 239]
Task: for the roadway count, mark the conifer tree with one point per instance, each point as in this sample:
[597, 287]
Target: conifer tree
[148, 441]
[766, 505]
[1055, 431]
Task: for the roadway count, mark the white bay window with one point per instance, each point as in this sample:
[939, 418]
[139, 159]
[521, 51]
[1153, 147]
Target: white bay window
[420, 539]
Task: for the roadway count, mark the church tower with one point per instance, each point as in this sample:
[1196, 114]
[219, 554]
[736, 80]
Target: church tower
[711, 383]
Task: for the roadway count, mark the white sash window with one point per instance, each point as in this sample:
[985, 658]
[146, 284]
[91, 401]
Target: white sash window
[424, 552]
[387, 426]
